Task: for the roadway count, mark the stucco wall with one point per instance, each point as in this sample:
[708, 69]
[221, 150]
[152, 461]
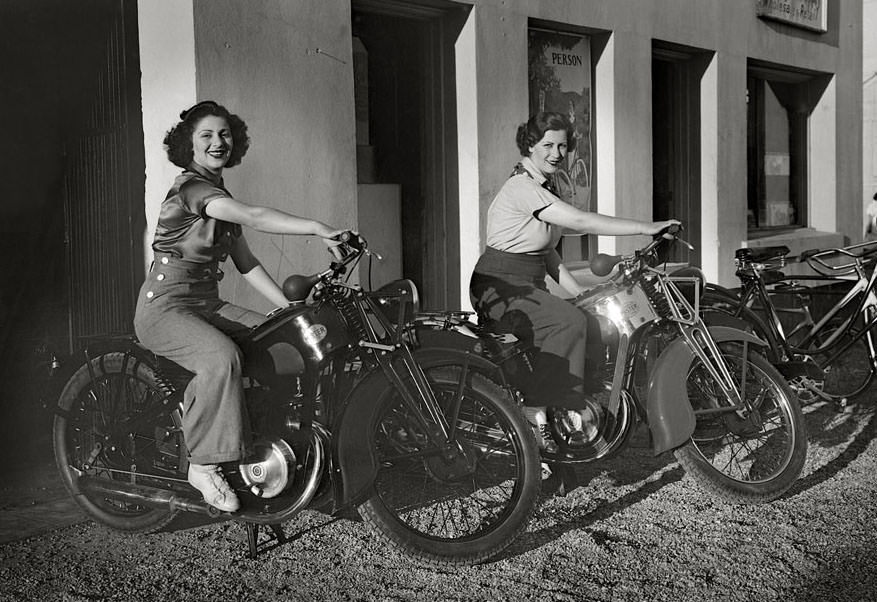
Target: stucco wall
[261, 58]
[285, 67]
[730, 29]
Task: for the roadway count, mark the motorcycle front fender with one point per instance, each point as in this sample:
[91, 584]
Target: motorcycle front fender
[671, 419]
[354, 443]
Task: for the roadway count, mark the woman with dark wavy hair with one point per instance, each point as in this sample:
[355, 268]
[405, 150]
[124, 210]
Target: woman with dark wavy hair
[524, 225]
[179, 313]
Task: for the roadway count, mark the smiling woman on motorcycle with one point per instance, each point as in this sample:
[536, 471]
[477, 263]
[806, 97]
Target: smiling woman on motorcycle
[524, 224]
[179, 313]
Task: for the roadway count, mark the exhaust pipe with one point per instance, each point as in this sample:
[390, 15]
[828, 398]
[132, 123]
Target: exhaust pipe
[157, 497]
[146, 495]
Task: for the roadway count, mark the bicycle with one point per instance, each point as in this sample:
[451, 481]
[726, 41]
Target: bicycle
[829, 356]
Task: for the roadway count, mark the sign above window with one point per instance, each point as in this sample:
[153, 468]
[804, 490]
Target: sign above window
[809, 14]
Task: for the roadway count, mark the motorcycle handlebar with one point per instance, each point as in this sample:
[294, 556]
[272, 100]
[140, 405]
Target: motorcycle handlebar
[602, 264]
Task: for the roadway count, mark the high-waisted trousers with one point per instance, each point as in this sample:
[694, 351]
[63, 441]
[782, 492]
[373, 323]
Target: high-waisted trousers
[510, 288]
[181, 317]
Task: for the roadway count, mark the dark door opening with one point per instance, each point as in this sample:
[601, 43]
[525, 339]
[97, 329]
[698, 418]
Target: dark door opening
[676, 77]
[411, 133]
[71, 220]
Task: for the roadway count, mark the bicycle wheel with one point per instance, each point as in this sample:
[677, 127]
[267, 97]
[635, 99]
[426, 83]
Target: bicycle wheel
[89, 438]
[850, 373]
[462, 509]
[755, 454]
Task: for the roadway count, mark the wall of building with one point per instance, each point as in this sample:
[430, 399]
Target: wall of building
[286, 67]
[869, 106]
[623, 102]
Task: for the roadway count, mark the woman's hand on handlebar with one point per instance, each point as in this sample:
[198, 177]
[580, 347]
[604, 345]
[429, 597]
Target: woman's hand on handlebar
[665, 228]
[332, 238]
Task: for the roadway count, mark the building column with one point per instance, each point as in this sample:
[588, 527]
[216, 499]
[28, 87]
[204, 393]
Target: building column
[491, 55]
[822, 162]
[167, 86]
[709, 171]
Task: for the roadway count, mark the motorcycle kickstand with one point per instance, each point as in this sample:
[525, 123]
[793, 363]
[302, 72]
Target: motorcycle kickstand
[565, 478]
[279, 538]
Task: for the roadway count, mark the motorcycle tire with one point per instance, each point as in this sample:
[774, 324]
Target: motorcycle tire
[465, 510]
[751, 458]
[88, 439]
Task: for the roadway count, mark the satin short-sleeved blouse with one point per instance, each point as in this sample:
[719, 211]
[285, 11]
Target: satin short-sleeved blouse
[184, 229]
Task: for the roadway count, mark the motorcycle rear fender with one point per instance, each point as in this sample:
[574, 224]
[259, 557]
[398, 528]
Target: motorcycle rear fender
[719, 319]
[671, 419]
[354, 444]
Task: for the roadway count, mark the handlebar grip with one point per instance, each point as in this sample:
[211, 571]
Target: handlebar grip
[672, 229]
[352, 240]
[805, 255]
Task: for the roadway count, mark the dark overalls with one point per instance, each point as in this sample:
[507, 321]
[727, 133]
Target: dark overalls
[510, 288]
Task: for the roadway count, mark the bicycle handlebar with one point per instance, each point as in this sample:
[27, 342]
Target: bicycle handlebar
[815, 258]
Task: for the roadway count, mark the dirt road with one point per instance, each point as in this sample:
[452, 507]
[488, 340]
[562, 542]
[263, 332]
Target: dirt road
[635, 529]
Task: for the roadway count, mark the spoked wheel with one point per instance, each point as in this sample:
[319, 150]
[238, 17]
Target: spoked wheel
[464, 506]
[90, 439]
[749, 454]
[850, 373]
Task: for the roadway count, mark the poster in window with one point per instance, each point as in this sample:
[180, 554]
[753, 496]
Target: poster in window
[560, 81]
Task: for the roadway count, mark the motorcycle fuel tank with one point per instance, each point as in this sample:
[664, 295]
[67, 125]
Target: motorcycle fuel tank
[290, 340]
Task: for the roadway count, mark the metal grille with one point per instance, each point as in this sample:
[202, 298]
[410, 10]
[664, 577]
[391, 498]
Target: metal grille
[99, 203]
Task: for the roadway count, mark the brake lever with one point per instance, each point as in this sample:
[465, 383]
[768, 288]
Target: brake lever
[686, 243]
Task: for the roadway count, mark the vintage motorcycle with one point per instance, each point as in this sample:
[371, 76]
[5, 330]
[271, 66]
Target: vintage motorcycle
[346, 413]
[705, 391]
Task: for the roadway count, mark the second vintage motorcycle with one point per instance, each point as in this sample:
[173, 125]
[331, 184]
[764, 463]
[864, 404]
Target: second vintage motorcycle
[705, 391]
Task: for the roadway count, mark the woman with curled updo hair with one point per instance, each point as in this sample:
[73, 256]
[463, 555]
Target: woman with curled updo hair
[524, 225]
[179, 313]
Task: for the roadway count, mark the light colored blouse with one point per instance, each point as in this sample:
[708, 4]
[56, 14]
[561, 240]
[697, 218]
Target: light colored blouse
[513, 223]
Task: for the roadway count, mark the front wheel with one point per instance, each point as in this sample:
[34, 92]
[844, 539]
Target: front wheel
[848, 374]
[748, 454]
[461, 507]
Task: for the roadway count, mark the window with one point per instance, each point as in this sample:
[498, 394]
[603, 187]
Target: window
[778, 106]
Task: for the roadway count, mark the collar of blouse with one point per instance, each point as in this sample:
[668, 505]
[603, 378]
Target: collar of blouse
[201, 171]
[527, 164]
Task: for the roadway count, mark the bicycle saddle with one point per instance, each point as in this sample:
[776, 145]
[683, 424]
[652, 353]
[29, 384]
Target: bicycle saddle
[762, 253]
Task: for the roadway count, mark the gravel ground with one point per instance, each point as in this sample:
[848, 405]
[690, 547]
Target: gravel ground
[635, 529]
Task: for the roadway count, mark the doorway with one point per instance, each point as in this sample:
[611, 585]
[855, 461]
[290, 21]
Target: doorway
[676, 74]
[406, 136]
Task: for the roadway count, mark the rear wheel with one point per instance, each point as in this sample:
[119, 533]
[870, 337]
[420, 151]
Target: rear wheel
[90, 438]
[463, 507]
[747, 454]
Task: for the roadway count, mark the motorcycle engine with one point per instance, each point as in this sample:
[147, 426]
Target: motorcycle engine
[271, 468]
